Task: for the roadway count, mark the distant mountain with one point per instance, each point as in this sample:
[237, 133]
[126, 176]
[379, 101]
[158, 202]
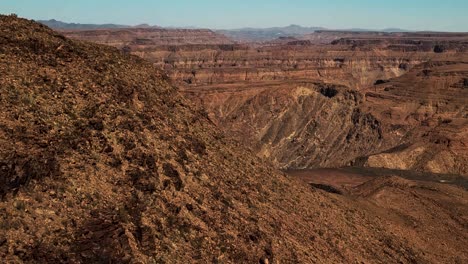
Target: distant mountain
[396, 30]
[55, 24]
[241, 34]
[63, 25]
[266, 34]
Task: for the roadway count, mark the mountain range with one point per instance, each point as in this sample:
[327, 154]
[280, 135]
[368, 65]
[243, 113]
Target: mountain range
[240, 34]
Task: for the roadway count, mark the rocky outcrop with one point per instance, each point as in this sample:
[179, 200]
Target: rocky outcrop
[302, 125]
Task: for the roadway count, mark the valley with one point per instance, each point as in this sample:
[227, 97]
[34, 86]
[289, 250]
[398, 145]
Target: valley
[390, 100]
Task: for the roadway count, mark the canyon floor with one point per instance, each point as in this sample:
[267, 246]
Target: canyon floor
[174, 155]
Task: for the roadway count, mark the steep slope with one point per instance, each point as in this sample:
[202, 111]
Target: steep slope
[103, 161]
[296, 125]
[413, 210]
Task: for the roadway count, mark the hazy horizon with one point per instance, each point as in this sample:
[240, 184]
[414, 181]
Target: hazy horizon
[417, 15]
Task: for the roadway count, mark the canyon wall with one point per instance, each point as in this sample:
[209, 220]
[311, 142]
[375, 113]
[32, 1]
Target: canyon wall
[296, 125]
[415, 122]
[215, 64]
[144, 37]
[203, 57]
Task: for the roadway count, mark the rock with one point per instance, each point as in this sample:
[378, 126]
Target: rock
[439, 49]
[378, 82]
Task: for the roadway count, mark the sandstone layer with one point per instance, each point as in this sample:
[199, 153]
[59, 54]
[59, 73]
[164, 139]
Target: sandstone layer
[144, 37]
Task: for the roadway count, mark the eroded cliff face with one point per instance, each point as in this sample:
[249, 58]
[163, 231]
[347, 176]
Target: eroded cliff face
[202, 57]
[209, 65]
[300, 125]
[415, 122]
[430, 102]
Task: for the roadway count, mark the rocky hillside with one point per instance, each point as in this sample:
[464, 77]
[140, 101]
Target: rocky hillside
[102, 160]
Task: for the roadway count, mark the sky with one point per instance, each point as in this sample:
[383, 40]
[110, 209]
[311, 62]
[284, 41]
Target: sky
[436, 15]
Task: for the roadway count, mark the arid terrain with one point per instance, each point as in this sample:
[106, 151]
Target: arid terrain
[327, 99]
[172, 156]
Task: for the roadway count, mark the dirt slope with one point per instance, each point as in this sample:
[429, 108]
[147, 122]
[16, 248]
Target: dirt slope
[102, 161]
[414, 210]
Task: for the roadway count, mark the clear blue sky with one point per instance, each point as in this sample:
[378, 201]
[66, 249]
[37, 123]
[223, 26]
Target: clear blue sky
[442, 15]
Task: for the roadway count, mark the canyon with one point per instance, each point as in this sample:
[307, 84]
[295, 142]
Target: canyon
[105, 160]
[326, 99]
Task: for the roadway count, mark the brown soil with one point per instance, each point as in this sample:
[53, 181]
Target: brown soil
[413, 209]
